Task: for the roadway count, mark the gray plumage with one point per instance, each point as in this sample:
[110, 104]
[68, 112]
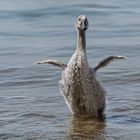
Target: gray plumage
[82, 92]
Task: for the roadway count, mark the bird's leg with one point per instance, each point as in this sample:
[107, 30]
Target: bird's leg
[53, 62]
[107, 61]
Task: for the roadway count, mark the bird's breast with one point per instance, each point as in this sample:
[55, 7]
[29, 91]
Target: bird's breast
[77, 69]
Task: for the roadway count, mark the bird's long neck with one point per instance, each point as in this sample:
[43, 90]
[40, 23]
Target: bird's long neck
[81, 40]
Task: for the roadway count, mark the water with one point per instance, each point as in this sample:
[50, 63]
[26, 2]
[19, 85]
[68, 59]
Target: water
[31, 105]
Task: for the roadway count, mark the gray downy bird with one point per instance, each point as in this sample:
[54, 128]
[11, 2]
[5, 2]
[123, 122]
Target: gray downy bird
[82, 92]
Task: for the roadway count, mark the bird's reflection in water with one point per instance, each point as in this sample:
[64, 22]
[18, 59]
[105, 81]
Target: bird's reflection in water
[86, 128]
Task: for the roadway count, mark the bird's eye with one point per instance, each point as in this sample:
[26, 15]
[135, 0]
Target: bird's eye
[79, 19]
[86, 22]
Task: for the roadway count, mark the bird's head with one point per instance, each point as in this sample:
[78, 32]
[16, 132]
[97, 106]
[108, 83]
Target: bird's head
[82, 22]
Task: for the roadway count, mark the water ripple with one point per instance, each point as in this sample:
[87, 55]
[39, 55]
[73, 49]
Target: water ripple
[31, 105]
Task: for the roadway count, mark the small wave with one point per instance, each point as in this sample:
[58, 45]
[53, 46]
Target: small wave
[28, 83]
[9, 136]
[122, 119]
[37, 115]
[121, 77]
[8, 70]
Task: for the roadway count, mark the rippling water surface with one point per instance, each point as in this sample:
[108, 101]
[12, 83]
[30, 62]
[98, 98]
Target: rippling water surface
[31, 106]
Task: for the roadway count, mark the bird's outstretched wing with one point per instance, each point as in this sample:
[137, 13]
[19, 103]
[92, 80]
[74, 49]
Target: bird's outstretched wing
[53, 62]
[107, 61]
